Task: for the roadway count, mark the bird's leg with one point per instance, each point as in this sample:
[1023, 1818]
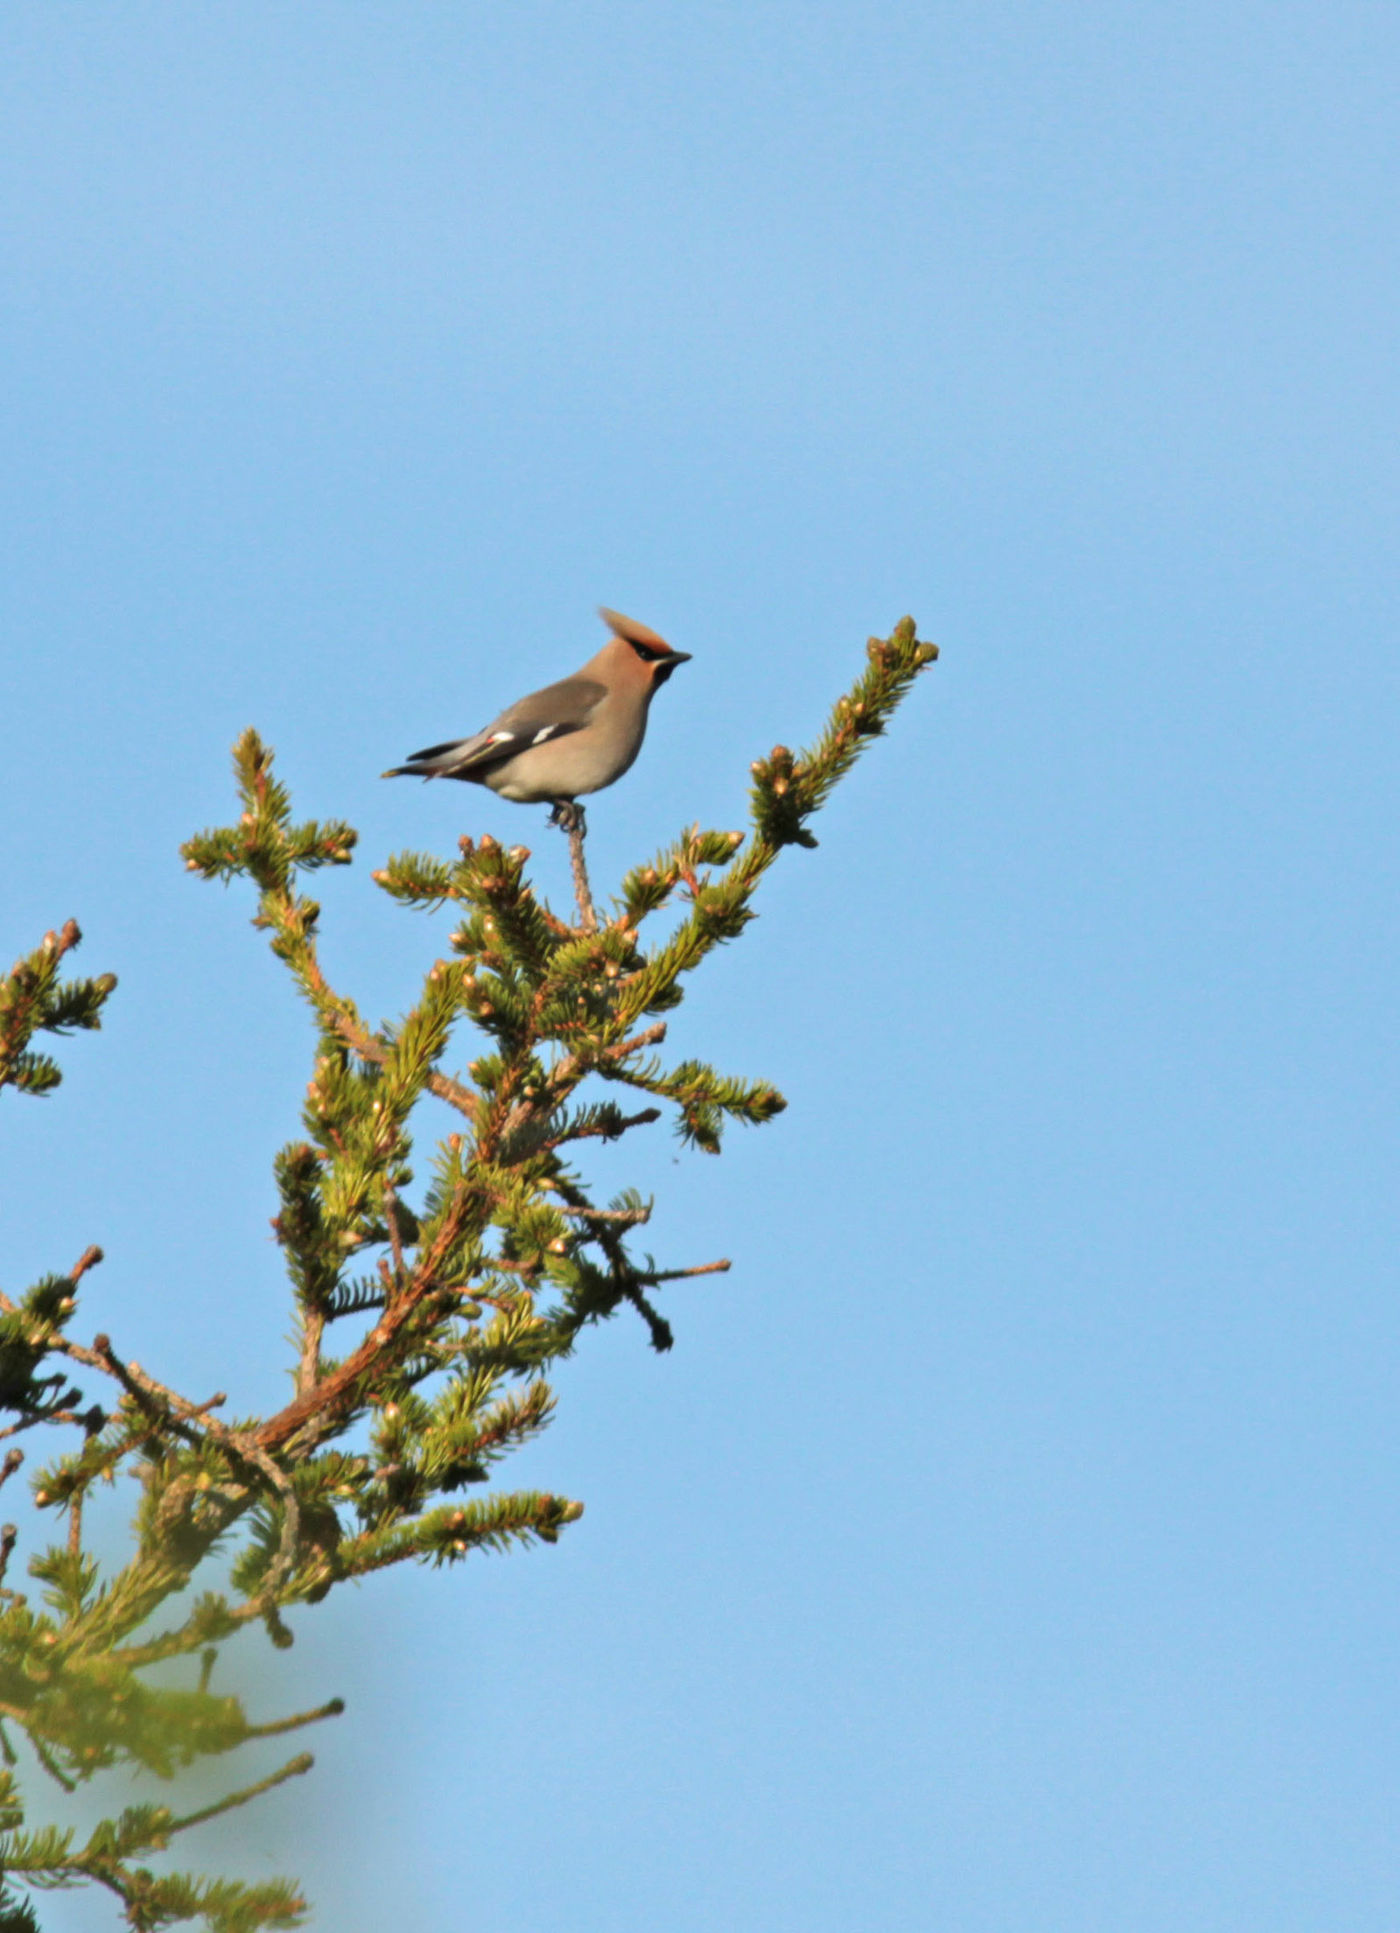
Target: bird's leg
[568, 814]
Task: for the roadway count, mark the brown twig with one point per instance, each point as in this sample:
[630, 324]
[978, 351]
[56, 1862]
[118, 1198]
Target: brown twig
[65, 1415]
[648, 1037]
[148, 1395]
[289, 1543]
[144, 1390]
[243, 1446]
[610, 1133]
[625, 1217]
[501, 1265]
[446, 1089]
[567, 1073]
[187, 1419]
[588, 919]
[331, 1709]
[652, 1276]
[313, 1329]
[293, 1769]
[391, 1217]
[334, 1393]
[634, 1291]
[368, 1048]
[89, 1259]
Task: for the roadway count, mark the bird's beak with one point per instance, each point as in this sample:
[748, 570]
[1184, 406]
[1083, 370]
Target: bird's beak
[677, 657]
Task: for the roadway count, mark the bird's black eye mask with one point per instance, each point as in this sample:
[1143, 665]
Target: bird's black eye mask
[664, 661]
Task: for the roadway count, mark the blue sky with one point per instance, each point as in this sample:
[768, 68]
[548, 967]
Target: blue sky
[1009, 1541]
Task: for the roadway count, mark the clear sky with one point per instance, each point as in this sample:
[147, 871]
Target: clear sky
[1010, 1540]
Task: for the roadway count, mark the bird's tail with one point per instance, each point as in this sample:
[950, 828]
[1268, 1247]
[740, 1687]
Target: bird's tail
[436, 762]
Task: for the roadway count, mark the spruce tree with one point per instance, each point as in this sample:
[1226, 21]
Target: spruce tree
[448, 1301]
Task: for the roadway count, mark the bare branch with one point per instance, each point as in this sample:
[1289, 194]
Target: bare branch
[89, 1259]
[587, 917]
[293, 1769]
[624, 1217]
[332, 1708]
[651, 1277]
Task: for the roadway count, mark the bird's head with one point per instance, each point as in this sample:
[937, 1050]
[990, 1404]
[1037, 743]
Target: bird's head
[650, 653]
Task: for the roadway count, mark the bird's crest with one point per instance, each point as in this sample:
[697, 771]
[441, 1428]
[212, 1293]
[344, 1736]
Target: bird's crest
[628, 627]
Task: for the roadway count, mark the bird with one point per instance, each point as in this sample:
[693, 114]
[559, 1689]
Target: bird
[572, 737]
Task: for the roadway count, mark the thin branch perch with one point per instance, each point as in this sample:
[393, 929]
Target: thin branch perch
[587, 917]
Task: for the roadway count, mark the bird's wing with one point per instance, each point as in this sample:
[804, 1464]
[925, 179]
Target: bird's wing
[561, 708]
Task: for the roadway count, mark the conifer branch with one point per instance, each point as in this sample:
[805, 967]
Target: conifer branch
[8, 1535]
[159, 1404]
[368, 1048]
[470, 1289]
[43, 1754]
[658, 1328]
[33, 999]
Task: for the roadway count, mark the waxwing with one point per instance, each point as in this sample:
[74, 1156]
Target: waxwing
[573, 737]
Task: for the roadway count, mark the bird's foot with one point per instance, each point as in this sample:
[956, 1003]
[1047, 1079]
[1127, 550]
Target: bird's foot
[567, 814]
